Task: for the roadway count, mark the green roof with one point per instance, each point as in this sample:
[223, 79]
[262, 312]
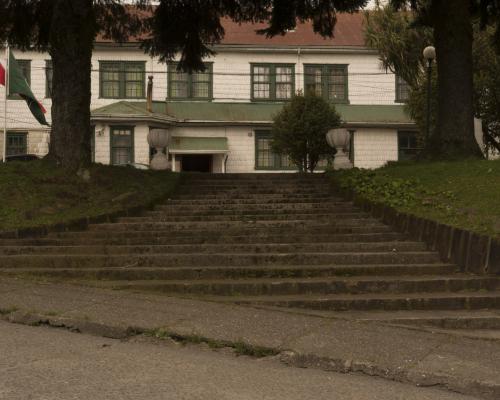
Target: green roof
[182, 144]
[190, 111]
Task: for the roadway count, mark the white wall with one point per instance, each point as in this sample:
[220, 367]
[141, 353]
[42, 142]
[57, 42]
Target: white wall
[374, 147]
[232, 82]
[367, 83]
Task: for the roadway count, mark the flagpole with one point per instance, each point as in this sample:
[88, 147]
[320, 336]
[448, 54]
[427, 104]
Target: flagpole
[4, 152]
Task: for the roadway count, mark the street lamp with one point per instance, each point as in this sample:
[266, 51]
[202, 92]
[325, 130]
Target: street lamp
[430, 56]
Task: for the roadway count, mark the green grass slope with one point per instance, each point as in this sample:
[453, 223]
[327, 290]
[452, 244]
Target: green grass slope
[38, 192]
[463, 194]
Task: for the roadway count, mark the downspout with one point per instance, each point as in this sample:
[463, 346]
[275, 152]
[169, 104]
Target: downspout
[300, 70]
[149, 102]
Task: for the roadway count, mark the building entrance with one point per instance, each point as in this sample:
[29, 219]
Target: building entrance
[196, 163]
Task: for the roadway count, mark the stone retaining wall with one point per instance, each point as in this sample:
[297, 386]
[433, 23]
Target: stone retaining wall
[472, 252]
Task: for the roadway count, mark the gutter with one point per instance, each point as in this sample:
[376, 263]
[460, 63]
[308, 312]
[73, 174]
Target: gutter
[250, 48]
[188, 122]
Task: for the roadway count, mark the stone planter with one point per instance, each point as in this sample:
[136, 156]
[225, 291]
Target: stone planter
[339, 139]
[158, 139]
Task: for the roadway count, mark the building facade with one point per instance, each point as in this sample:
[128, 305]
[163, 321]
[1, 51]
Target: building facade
[219, 120]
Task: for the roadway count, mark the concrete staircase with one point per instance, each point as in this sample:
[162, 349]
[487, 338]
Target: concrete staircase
[267, 240]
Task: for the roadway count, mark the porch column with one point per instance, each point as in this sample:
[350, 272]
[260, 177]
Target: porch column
[173, 162]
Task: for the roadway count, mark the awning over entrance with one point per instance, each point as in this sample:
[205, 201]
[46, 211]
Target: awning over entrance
[198, 145]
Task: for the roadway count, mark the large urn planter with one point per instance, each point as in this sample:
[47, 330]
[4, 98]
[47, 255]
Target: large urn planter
[158, 139]
[339, 139]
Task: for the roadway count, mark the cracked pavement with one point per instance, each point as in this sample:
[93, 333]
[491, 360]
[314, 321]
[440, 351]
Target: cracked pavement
[468, 366]
[43, 363]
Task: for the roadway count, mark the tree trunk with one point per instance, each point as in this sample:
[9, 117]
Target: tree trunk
[454, 136]
[71, 44]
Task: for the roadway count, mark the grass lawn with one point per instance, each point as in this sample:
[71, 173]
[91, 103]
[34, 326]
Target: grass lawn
[37, 192]
[463, 194]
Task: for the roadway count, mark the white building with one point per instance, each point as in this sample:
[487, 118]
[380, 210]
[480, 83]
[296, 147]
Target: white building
[219, 120]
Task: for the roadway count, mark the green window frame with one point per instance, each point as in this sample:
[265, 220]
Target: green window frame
[17, 143]
[190, 86]
[265, 158]
[402, 90]
[122, 79]
[330, 81]
[121, 145]
[25, 66]
[408, 147]
[48, 79]
[272, 82]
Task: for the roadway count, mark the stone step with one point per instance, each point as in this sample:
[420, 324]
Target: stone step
[256, 201]
[256, 209]
[315, 286]
[153, 216]
[232, 272]
[407, 301]
[216, 248]
[243, 192]
[297, 197]
[86, 238]
[453, 319]
[255, 231]
[362, 223]
[215, 259]
[250, 186]
[261, 177]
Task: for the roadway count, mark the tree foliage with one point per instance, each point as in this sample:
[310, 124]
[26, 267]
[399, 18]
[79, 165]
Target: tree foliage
[453, 39]
[487, 84]
[190, 28]
[67, 30]
[299, 130]
[399, 39]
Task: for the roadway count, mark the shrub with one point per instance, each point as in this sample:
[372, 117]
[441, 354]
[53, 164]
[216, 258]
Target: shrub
[299, 130]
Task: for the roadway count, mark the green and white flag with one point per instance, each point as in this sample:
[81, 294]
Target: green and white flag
[17, 84]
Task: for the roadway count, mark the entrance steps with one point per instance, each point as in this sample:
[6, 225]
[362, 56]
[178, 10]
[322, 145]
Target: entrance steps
[266, 240]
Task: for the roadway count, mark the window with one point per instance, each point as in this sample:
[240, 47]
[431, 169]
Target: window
[402, 90]
[408, 147]
[264, 156]
[25, 66]
[196, 85]
[272, 82]
[122, 145]
[327, 81]
[48, 79]
[122, 79]
[17, 143]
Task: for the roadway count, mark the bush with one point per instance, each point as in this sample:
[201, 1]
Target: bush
[299, 130]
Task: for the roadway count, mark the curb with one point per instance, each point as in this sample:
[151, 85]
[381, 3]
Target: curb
[484, 389]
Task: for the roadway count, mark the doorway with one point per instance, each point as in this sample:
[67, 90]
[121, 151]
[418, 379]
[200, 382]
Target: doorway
[196, 163]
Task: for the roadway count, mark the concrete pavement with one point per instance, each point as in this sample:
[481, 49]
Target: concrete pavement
[42, 364]
[464, 365]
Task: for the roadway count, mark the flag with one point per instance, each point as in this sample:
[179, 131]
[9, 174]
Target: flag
[18, 85]
[2, 75]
